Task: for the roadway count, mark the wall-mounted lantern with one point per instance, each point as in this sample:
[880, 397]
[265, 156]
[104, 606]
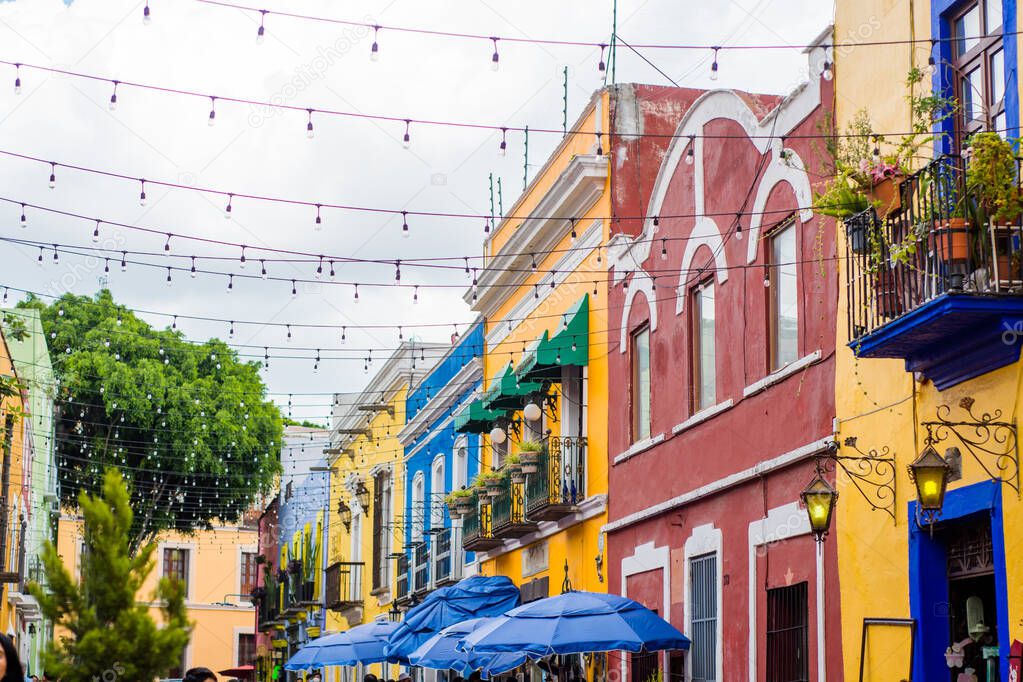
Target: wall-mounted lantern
[929, 473]
[819, 498]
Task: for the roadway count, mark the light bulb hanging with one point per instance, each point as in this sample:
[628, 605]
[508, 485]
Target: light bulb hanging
[415, 295]
[241, 258]
[113, 98]
[192, 271]
[261, 31]
[17, 79]
[309, 125]
[166, 244]
[124, 261]
[24, 218]
[294, 289]
[146, 15]
[230, 283]
[142, 193]
[664, 249]
[53, 175]
[169, 277]
[332, 271]
[738, 225]
[356, 297]
[932, 66]
[374, 51]
[262, 268]
[407, 140]
[213, 112]
[495, 60]
[319, 268]
[318, 225]
[601, 66]
[504, 142]
[691, 152]
[826, 72]
[714, 65]
[95, 232]
[404, 223]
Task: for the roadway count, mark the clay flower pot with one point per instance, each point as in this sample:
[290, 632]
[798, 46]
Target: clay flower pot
[886, 194]
[950, 240]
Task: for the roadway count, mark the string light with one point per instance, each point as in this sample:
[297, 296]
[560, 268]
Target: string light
[691, 152]
[166, 244]
[213, 112]
[262, 268]
[146, 15]
[230, 283]
[261, 31]
[142, 194]
[289, 334]
[415, 295]
[344, 334]
[504, 141]
[397, 271]
[227, 208]
[407, 140]
[53, 175]
[600, 148]
[495, 60]
[374, 51]
[319, 221]
[309, 126]
[95, 232]
[319, 268]
[331, 271]
[714, 65]
[932, 66]
[168, 276]
[192, 272]
[738, 225]
[664, 249]
[827, 73]
[113, 98]
[124, 261]
[230, 332]
[572, 223]
[404, 223]
[39, 260]
[356, 298]
[24, 218]
[56, 257]
[601, 66]
[17, 79]
[294, 289]
[241, 258]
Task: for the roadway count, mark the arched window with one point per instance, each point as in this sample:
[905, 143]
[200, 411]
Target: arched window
[460, 468]
[418, 506]
[437, 491]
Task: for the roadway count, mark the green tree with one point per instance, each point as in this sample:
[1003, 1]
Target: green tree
[111, 634]
[188, 424]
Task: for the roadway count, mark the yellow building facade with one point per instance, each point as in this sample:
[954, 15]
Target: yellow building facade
[366, 517]
[542, 296]
[13, 426]
[218, 567]
[928, 357]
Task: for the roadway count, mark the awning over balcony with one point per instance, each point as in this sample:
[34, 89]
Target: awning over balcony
[570, 346]
[475, 418]
[506, 392]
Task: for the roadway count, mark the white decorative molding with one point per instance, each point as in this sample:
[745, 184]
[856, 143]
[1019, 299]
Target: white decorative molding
[704, 233]
[591, 507]
[705, 539]
[643, 285]
[781, 374]
[782, 523]
[647, 557]
[448, 394]
[638, 447]
[560, 272]
[574, 192]
[702, 416]
[791, 172]
[739, 477]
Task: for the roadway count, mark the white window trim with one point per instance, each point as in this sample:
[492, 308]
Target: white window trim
[783, 523]
[647, 557]
[243, 549]
[705, 539]
[193, 556]
[437, 496]
[638, 447]
[702, 416]
[238, 631]
[782, 373]
[418, 527]
[462, 442]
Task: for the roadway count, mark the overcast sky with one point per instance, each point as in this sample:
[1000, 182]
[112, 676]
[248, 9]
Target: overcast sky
[193, 46]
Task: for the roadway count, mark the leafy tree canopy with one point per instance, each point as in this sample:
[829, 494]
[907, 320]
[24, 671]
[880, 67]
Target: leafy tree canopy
[111, 634]
[188, 425]
[288, 421]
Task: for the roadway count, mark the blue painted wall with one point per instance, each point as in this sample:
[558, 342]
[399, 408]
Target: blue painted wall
[941, 30]
[440, 436]
[309, 496]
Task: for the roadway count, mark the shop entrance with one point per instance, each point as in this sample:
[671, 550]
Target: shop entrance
[973, 617]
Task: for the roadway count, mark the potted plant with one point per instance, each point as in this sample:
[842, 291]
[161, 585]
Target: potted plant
[460, 502]
[991, 182]
[494, 481]
[529, 456]
[479, 485]
[513, 465]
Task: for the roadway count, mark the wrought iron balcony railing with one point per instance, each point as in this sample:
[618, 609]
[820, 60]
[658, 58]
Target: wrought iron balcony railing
[477, 533]
[560, 481]
[402, 580]
[421, 567]
[343, 585]
[931, 243]
[509, 512]
[447, 560]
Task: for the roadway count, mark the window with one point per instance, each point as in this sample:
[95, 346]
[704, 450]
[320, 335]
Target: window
[978, 68]
[418, 506]
[784, 303]
[246, 653]
[460, 474]
[703, 607]
[249, 572]
[437, 493]
[641, 383]
[175, 564]
[787, 647]
[705, 376]
[381, 529]
[498, 453]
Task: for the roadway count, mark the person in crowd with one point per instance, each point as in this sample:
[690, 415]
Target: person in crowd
[10, 664]
[197, 675]
[368, 677]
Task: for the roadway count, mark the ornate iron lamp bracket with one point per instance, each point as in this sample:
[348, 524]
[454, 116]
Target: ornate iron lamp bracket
[872, 473]
[985, 436]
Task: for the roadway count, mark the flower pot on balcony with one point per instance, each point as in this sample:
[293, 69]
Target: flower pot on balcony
[453, 510]
[886, 194]
[494, 488]
[528, 461]
[950, 240]
[518, 476]
[465, 506]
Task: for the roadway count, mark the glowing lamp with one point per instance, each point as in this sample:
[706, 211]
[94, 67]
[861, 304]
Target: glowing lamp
[532, 412]
[930, 473]
[819, 498]
[497, 435]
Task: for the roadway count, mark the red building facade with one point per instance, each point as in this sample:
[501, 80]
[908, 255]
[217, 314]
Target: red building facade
[722, 377]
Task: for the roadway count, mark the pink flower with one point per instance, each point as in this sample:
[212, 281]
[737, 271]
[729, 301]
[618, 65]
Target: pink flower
[883, 170]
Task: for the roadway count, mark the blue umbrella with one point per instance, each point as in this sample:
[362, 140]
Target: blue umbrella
[362, 644]
[472, 597]
[575, 622]
[441, 653]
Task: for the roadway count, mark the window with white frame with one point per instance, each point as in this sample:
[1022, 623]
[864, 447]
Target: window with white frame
[784, 333]
[704, 351]
[437, 492]
[460, 469]
[418, 506]
[703, 608]
[640, 358]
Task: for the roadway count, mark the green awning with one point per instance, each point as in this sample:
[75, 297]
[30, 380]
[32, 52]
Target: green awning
[475, 418]
[506, 392]
[570, 346]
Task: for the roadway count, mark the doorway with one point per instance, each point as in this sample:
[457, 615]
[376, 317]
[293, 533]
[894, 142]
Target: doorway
[973, 607]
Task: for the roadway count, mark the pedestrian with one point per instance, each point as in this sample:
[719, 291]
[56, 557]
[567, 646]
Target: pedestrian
[196, 675]
[368, 677]
[10, 664]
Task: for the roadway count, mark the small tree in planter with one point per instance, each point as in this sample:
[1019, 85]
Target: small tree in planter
[529, 456]
[992, 183]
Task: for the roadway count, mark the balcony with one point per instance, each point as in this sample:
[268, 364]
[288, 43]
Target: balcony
[559, 484]
[401, 591]
[930, 286]
[268, 603]
[421, 568]
[343, 588]
[508, 510]
[476, 530]
[447, 564]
